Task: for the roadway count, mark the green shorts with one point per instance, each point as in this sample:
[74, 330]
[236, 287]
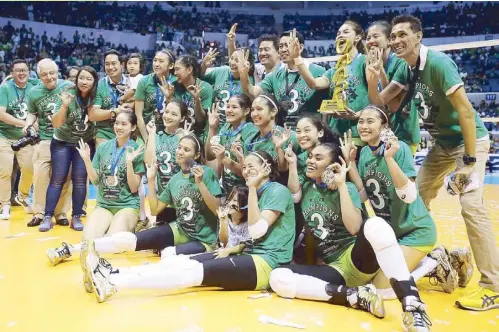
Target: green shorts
[263, 270]
[116, 210]
[345, 266]
[179, 237]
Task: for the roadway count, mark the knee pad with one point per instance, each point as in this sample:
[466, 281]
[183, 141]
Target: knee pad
[379, 234]
[283, 282]
[124, 241]
[168, 252]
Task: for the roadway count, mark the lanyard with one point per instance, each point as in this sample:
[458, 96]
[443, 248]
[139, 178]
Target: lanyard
[232, 91]
[266, 137]
[235, 132]
[21, 100]
[387, 65]
[115, 158]
[113, 91]
[79, 100]
[262, 188]
[265, 74]
[289, 88]
[160, 97]
[319, 185]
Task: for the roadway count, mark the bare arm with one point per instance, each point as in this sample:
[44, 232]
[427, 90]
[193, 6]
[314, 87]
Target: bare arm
[132, 178]
[352, 217]
[466, 115]
[95, 114]
[139, 108]
[318, 83]
[211, 201]
[59, 118]
[9, 119]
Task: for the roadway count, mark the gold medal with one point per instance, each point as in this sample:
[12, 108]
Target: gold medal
[112, 180]
[328, 176]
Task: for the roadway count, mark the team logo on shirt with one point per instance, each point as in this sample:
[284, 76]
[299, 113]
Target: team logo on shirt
[321, 219]
[48, 105]
[376, 184]
[427, 112]
[188, 202]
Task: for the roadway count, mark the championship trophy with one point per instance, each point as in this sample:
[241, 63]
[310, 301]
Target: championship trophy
[339, 100]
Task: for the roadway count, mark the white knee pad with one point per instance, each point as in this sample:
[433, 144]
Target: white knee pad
[168, 252]
[124, 241]
[283, 282]
[379, 233]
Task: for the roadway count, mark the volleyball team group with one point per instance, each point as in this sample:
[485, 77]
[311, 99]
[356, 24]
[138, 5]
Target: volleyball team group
[242, 171]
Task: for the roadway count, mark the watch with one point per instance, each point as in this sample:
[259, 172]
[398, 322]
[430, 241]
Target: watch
[468, 160]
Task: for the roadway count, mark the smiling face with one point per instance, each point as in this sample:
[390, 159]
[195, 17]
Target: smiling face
[261, 113]
[284, 44]
[172, 117]
[234, 113]
[369, 126]
[186, 152]
[346, 34]
[48, 74]
[85, 81]
[318, 160]
[307, 134]
[161, 64]
[376, 38]
[182, 72]
[252, 167]
[403, 40]
[234, 60]
[20, 73]
[267, 53]
[123, 128]
[112, 66]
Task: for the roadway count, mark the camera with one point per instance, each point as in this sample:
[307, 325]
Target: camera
[31, 138]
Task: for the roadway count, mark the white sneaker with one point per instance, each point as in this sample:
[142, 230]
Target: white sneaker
[5, 212]
[25, 203]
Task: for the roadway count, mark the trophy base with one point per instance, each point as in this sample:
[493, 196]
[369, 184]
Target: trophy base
[331, 106]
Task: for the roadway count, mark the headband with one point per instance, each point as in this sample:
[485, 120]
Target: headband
[269, 99]
[195, 139]
[168, 53]
[378, 109]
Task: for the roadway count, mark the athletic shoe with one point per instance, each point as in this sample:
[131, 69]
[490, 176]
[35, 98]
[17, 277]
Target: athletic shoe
[25, 203]
[57, 255]
[99, 271]
[46, 224]
[87, 282]
[369, 300]
[462, 262]
[62, 221]
[414, 317]
[443, 274]
[142, 225]
[76, 224]
[480, 300]
[5, 212]
[35, 222]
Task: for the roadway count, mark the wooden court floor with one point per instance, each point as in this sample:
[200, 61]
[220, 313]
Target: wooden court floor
[35, 296]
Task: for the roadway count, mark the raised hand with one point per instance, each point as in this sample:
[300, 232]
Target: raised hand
[231, 35]
[84, 151]
[151, 127]
[181, 132]
[213, 116]
[391, 147]
[254, 180]
[294, 46]
[66, 97]
[243, 64]
[279, 138]
[341, 172]
[210, 57]
[152, 169]
[131, 154]
[290, 156]
[166, 88]
[237, 149]
[194, 90]
[346, 145]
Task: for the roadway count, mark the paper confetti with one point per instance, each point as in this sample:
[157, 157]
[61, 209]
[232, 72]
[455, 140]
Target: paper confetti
[281, 322]
[438, 321]
[366, 326]
[259, 296]
[48, 238]
[11, 324]
[16, 235]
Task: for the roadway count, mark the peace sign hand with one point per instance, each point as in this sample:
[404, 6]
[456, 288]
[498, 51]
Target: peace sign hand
[210, 57]
[185, 131]
[194, 90]
[243, 64]
[294, 46]
[166, 88]
[131, 154]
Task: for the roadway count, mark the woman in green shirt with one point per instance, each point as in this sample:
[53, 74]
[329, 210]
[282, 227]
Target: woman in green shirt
[71, 125]
[270, 225]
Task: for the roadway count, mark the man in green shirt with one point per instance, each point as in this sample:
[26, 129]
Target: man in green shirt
[437, 91]
[43, 101]
[13, 114]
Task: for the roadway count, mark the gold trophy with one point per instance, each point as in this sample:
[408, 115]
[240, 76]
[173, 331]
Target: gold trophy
[339, 100]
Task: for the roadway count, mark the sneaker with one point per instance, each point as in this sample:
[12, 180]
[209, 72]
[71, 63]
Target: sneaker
[369, 300]
[462, 262]
[443, 274]
[57, 255]
[46, 224]
[5, 212]
[63, 221]
[480, 300]
[76, 224]
[142, 225]
[99, 271]
[35, 222]
[414, 317]
[87, 282]
[83, 213]
[25, 203]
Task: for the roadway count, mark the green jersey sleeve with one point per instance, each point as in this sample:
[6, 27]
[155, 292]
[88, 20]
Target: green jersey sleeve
[275, 202]
[140, 93]
[446, 75]
[267, 84]
[166, 195]
[405, 160]
[210, 179]
[354, 195]
[4, 99]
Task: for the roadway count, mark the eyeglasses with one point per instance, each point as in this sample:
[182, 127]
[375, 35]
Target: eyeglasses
[20, 71]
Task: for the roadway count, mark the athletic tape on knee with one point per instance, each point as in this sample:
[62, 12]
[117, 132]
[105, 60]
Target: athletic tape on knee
[409, 193]
[379, 234]
[258, 229]
[283, 282]
[124, 241]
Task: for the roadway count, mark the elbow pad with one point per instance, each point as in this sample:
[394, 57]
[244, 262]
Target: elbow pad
[409, 193]
[363, 195]
[258, 229]
[296, 197]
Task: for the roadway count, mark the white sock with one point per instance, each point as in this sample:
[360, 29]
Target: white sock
[142, 196]
[170, 278]
[311, 288]
[427, 265]
[74, 248]
[141, 269]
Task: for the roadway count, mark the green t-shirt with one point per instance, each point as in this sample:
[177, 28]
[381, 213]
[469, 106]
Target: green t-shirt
[404, 218]
[438, 78]
[193, 215]
[276, 247]
[321, 209]
[118, 196]
[43, 103]
[166, 145]
[255, 142]
[224, 87]
[76, 126]
[206, 96]
[356, 93]
[404, 123]
[107, 98]
[294, 92]
[146, 91]
[227, 137]
[14, 100]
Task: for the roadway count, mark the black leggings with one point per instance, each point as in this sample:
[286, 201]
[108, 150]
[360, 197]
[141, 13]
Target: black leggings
[166, 216]
[363, 257]
[160, 237]
[232, 273]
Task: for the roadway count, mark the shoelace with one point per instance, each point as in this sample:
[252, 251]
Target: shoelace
[488, 300]
[421, 318]
[64, 250]
[364, 304]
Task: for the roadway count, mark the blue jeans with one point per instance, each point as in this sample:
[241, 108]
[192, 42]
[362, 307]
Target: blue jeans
[64, 155]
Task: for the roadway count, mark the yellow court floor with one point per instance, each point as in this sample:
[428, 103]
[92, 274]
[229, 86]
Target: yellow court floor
[35, 296]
